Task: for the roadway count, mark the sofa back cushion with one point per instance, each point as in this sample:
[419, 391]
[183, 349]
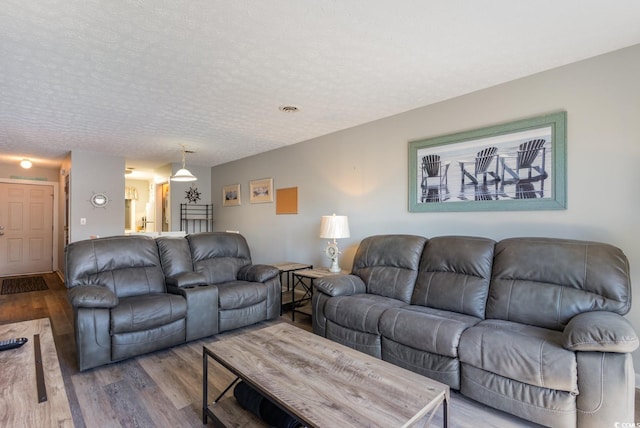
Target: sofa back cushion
[175, 255]
[127, 265]
[388, 264]
[454, 274]
[547, 281]
[219, 255]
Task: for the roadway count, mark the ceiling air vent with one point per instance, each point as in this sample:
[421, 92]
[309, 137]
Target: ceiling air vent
[288, 109]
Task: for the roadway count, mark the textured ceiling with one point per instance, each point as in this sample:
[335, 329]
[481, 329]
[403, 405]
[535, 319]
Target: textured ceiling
[139, 78]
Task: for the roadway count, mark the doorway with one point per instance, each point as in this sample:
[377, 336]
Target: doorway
[26, 228]
[162, 207]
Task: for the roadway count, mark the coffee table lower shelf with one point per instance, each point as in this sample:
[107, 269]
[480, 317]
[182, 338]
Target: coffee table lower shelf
[322, 383]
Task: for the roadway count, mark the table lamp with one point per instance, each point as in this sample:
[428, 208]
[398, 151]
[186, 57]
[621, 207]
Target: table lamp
[334, 227]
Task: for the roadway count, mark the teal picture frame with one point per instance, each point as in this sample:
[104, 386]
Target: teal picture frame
[515, 166]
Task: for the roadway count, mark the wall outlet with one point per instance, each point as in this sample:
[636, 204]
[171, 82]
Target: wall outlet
[83, 221]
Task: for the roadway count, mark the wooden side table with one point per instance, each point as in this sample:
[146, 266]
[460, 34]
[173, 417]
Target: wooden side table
[286, 271]
[299, 278]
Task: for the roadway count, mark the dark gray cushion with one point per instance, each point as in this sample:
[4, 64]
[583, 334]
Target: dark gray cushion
[175, 255]
[454, 274]
[92, 296]
[360, 312]
[601, 332]
[258, 273]
[186, 279]
[426, 329]
[219, 255]
[546, 281]
[388, 264]
[138, 313]
[127, 265]
[528, 354]
[240, 294]
[340, 285]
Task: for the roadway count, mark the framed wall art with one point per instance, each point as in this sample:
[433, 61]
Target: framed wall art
[514, 166]
[231, 195]
[261, 191]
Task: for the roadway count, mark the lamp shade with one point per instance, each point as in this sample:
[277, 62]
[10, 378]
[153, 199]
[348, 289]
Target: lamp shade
[183, 175]
[334, 226]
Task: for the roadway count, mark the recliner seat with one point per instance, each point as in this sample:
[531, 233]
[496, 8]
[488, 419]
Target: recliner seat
[531, 326]
[136, 294]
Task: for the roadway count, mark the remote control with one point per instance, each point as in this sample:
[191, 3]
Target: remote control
[12, 343]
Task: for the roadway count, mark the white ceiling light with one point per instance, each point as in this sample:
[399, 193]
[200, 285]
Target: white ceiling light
[183, 173]
[26, 163]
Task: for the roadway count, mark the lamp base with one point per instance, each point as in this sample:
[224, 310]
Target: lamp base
[334, 266]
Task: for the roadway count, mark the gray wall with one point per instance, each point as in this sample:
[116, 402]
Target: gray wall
[362, 172]
[95, 173]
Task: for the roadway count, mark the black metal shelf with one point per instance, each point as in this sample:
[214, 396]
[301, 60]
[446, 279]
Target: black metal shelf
[196, 218]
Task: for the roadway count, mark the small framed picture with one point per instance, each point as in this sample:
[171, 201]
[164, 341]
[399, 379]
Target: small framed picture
[231, 195]
[261, 191]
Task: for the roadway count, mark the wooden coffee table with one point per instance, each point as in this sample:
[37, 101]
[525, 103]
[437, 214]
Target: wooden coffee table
[323, 383]
[25, 404]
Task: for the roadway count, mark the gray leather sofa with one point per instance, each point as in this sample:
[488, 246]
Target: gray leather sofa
[135, 294]
[530, 326]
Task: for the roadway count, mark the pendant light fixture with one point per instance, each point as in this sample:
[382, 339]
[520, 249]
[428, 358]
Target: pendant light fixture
[183, 173]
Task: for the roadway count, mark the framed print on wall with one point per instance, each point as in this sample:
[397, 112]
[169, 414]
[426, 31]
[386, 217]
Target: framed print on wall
[231, 195]
[261, 191]
[515, 166]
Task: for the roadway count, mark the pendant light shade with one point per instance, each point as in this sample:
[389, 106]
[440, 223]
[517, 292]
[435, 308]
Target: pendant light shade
[183, 173]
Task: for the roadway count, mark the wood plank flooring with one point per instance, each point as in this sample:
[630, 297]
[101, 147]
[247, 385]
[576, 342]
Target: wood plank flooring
[164, 388]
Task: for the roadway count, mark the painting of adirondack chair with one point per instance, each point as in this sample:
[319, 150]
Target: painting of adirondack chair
[436, 170]
[527, 158]
[482, 166]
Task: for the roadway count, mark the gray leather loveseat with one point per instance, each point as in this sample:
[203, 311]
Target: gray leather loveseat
[135, 294]
[530, 326]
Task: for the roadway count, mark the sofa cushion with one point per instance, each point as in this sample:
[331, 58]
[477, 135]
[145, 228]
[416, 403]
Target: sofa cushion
[547, 407]
[531, 286]
[186, 280]
[388, 264]
[240, 294]
[600, 331]
[92, 296]
[454, 274]
[426, 329]
[138, 313]
[360, 312]
[528, 354]
[174, 255]
[127, 265]
[219, 255]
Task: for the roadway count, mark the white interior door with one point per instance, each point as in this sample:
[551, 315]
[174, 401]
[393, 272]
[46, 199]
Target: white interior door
[26, 229]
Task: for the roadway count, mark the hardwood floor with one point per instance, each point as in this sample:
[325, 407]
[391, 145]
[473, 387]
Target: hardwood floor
[163, 389]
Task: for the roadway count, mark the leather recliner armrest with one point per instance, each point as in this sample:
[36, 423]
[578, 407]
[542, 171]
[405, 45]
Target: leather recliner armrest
[257, 273]
[92, 296]
[340, 285]
[186, 280]
[599, 331]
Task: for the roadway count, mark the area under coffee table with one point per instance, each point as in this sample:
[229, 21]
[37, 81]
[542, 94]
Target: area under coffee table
[323, 383]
